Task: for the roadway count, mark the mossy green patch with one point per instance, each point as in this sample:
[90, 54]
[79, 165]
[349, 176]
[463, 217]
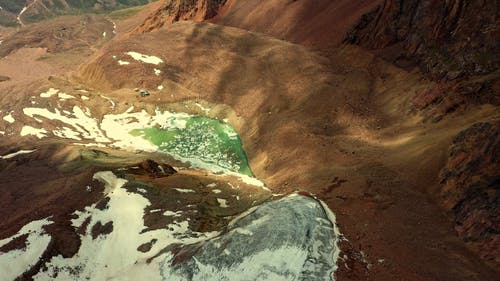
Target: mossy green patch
[125, 13]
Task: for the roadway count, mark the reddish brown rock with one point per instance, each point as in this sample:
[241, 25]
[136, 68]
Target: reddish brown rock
[445, 98]
[153, 169]
[175, 10]
[447, 39]
[470, 188]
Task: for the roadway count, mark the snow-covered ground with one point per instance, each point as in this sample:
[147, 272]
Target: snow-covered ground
[16, 262]
[293, 238]
[115, 256]
[145, 58]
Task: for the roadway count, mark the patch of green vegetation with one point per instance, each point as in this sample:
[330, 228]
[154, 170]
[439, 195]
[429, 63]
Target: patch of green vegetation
[76, 7]
[208, 140]
[13, 6]
[7, 20]
[125, 13]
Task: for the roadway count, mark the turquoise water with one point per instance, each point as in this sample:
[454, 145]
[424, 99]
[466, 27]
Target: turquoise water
[208, 140]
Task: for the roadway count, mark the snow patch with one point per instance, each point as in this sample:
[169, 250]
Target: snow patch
[181, 190]
[50, 92]
[83, 124]
[9, 118]
[63, 96]
[28, 130]
[67, 133]
[172, 214]
[145, 58]
[14, 154]
[16, 262]
[114, 256]
[222, 203]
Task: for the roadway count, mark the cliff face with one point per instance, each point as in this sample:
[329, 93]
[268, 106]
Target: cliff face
[471, 184]
[454, 43]
[447, 39]
[176, 10]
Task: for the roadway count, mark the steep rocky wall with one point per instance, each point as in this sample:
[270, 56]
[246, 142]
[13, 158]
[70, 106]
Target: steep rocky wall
[454, 43]
[447, 39]
[176, 10]
[471, 187]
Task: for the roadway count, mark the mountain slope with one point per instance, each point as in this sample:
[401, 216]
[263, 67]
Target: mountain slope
[353, 106]
[25, 12]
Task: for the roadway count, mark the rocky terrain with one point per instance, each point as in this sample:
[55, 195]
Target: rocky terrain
[226, 137]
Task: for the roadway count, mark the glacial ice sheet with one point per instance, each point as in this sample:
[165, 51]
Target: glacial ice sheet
[289, 239]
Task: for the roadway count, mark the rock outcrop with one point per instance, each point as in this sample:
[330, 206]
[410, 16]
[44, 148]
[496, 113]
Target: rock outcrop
[471, 187]
[446, 39]
[153, 169]
[441, 99]
[176, 10]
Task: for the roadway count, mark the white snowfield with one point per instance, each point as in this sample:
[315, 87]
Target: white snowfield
[145, 58]
[31, 131]
[9, 118]
[114, 256]
[50, 92]
[64, 96]
[16, 262]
